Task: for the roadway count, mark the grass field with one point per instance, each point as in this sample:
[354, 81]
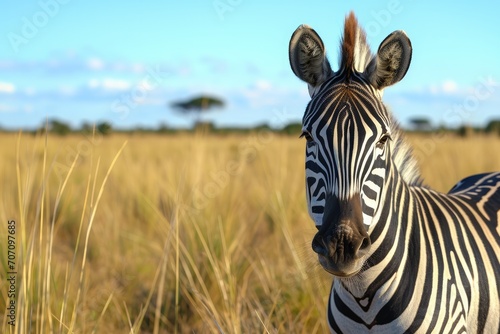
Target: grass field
[164, 234]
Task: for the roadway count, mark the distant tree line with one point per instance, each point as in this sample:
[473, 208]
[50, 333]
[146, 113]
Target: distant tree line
[421, 125]
[201, 104]
[61, 128]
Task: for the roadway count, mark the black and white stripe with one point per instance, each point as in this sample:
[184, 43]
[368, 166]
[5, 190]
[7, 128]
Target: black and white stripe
[405, 258]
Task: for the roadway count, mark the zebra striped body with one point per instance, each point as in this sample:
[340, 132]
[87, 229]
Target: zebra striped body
[405, 258]
[432, 271]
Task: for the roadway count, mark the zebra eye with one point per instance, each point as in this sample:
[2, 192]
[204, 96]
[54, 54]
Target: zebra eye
[383, 140]
[306, 135]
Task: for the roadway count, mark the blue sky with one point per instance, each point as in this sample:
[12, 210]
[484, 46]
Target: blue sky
[126, 62]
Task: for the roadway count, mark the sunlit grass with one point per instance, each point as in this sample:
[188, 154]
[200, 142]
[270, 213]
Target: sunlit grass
[164, 234]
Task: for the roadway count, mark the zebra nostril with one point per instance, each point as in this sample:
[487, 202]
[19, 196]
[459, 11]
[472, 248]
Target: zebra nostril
[365, 244]
[319, 246]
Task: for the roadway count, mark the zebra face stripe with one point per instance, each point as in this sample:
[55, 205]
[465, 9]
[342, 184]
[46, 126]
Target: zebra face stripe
[347, 126]
[347, 132]
[346, 148]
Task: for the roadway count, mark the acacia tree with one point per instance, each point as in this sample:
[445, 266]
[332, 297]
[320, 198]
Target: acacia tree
[198, 105]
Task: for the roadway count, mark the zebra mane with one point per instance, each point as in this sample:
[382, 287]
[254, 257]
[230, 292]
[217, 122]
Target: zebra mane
[402, 155]
[354, 50]
[356, 55]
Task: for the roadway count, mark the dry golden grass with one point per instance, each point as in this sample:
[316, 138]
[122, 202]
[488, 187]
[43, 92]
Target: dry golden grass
[163, 234]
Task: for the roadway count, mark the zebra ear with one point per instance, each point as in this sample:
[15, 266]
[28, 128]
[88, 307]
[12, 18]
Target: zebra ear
[308, 57]
[391, 62]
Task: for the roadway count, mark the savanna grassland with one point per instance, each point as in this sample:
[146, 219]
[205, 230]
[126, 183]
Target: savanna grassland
[174, 233]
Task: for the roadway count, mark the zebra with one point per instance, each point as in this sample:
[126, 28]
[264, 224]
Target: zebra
[404, 258]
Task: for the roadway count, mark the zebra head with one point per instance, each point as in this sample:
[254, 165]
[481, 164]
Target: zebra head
[348, 131]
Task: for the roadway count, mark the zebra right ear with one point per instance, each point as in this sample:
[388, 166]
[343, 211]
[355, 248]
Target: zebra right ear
[391, 62]
[308, 57]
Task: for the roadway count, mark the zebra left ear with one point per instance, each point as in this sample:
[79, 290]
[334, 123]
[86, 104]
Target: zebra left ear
[308, 58]
[391, 62]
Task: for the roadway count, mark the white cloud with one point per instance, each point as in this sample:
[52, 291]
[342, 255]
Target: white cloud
[263, 85]
[264, 94]
[115, 84]
[449, 86]
[257, 91]
[110, 84]
[95, 64]
[7, 88]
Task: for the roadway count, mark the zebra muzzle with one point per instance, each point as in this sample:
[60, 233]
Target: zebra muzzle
[342, 242]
